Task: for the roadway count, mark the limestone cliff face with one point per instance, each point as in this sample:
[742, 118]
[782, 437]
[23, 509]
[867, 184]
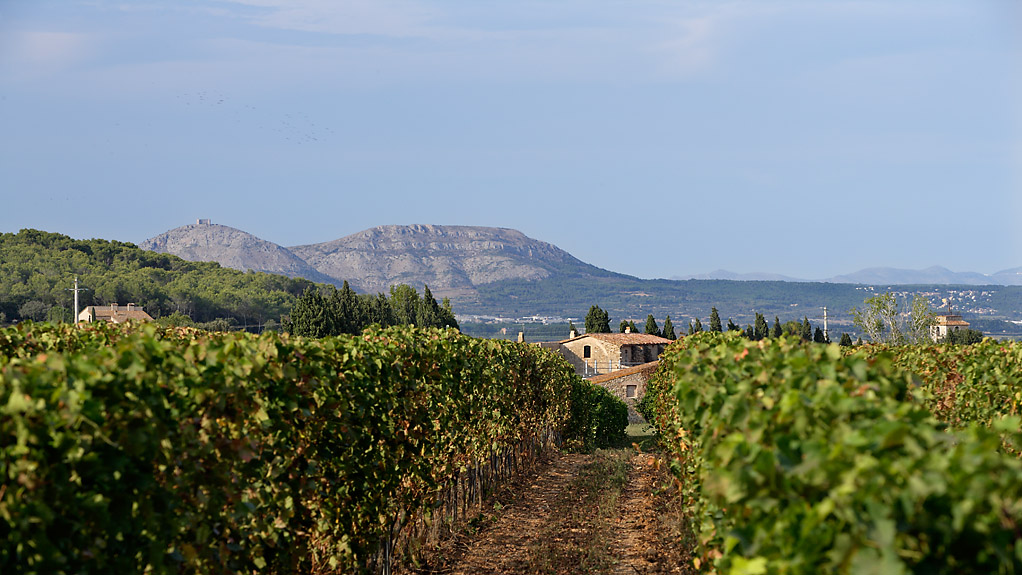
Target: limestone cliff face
[232, 248]
[450, 259]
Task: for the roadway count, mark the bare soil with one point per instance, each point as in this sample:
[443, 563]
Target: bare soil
[611, 512]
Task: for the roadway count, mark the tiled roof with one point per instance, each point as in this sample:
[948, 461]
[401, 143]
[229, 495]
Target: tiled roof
[625, 338]
[120, 315]
[646, 367]
[951, 320]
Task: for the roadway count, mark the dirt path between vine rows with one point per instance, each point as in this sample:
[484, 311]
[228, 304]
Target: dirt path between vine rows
[578, 513]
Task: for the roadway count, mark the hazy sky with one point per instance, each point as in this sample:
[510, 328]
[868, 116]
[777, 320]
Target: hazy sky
[654, 138]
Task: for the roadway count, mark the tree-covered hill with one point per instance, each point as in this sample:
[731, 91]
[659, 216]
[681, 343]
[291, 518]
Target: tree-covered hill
[38, 268]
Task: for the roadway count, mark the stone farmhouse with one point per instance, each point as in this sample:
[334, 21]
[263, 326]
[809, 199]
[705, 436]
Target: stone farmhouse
[594, 354]
[628, 385]
[114, 313]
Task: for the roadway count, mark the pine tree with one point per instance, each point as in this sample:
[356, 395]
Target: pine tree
[651, 326]
[776, 331]
[698, 326]
[818, 336]
[750, 332]
[715, 320]
[668, 330]
[846, 340]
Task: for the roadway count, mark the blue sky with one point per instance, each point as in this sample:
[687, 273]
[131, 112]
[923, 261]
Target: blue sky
[654, 138]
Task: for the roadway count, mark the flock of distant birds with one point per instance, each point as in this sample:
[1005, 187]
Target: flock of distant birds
[295, 128]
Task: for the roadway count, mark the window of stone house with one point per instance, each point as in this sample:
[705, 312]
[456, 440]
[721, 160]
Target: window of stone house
[629, 391]
[587, 351]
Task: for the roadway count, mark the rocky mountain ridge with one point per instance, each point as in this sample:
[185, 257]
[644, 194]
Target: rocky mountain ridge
[451, 260]
[456, 260]
[232, 248]
[933, 275]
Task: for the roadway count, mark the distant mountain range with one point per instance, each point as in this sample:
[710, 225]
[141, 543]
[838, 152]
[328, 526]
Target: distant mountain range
[456, 260]
[452, 260]
[934, 275]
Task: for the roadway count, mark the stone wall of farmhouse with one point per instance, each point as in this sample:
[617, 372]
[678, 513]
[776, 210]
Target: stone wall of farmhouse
[601, 354]
[629, 386]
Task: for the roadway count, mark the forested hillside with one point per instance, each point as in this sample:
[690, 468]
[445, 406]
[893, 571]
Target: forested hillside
[38, 268]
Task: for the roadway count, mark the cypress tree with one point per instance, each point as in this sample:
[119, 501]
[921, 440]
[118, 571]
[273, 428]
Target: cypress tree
[447, 315]
[651, 326]
[624, 324]
[631, 326]
[818, 336]
[698, 326]
[762, 330]
[311, 316]
[807, 330]
[597, 320]
[668, 330]
[732, 326]
[776, 331]
[846, 340]
[715, 321]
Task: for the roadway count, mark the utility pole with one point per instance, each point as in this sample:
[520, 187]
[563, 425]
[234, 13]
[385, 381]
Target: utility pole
[77, 289]
[826, 335]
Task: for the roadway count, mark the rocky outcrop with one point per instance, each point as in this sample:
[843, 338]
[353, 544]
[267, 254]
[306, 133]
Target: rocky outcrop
[450, 259]
[232, 248]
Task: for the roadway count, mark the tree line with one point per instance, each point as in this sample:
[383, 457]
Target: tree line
[332, 311]
[37, 270]
[598, 321]
[882, 318]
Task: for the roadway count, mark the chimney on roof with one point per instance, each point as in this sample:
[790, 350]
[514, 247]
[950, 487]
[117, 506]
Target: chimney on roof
[113, 307]
[628, 329]
[521, 337]
[131, 306]
[572, 334]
